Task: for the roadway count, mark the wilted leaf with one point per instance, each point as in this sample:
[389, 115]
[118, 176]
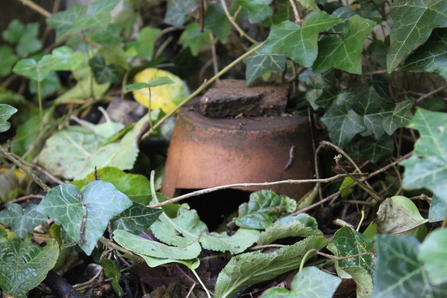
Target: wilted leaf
[84, 215]
[263, 208]
[235, 244]
[299, 43]
[344, 52]
[136, 219]
[254, 267]
[413, 21]
[262, 61]
[22, 221]
[427, 168]
[23, 265]
[5, 113]
[400, 117]
[310, 282]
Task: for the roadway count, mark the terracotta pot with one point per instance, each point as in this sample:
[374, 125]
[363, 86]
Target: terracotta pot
[208, 152]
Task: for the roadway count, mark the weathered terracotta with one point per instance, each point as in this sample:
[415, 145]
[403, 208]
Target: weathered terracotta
[207, 152]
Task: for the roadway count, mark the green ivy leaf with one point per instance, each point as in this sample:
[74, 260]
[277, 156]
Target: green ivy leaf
[22, 221]
[363, 280]
[400, 117]
[373, 150]
[262, 61]
[258, 10]
[235, 244]
[7, 61]
[427, 168]
[34, 70]
[66, 59]
[194, 39]
[309, 4]
[321, 91]
[146, 42]
[112, 271]
[6, 111]
[342, 122]
[102, 6]
[310, 282]
[48, 85]
[216, 20]
[263, 208]
[23, 265]
[159, 81]
[136, 219]
[373, 109]
[145, 247]
[432, 252]
[438, 210]
[99, 202]
[254, 267]
[63, 21]
[24, 35]
[99, 20]
[299, 43]
[104, 73]
[399, 272]
[182, 230]
[176, 11]
[343, 52]
[413, 21]
[301, 225]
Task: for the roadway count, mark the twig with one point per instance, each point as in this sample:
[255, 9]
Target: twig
[43, 171]
[212, 189]
[431, 93]
[20, 165]
[214, 53]
[233, 22]
[36, 8]
[295, 12]
[201, 88]
[106, 242]
[24, 198]
[408, 155]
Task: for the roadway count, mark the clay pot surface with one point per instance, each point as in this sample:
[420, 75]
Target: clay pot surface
[207, 152]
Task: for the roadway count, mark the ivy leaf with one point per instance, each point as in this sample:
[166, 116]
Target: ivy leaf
[399, 272]
[342, 122]
[146, 42]
[99, 20]
[24, 35]
[254, 267]
[194, 39]
[400, 117]
[7, 61]
[413, 22]
[6, 111]
[104, 73]
[299, 43]
[344, 52]
[112, 271]
[431, 56]
[158, 81]
[310, 282]
[433, 254]
[102, 6]
[63, 21]
[263, 208]
[136, 219]
[216, 20]
[373, 150]
[23, 265]
[22, 221]
[321, 91]
[100, 201]
[182, 230]
[262, 61]
[235, 244]
[427, 168]
[373, 109]
[309, 4]
[66, 59]
[34, 70]
[176, 11]
[438, 210]
[258, 10]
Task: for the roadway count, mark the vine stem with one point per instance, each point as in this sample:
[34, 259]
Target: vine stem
[332, 257]
[295, 12]
[233, 22]
[202, 87]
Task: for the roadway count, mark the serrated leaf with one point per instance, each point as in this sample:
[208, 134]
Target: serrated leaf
[22, 221]
[299, 43]
[398, 271]
[427, 168]
[301, 225]
[258, 10]
[343, 52]
[194, 39]
[398, 215]
[100, 201]
[373, 109]
[235, 244]
[23, 265]
[432, 252]
[310, 282]
[261, 62]
[6, 111]
[342, 122]
[34, 70]
[112, 271]
[176, 11]
[182, 230]
[7, 61]
[216, 20]
[145, 247]
[400, 117]
[263, 208]
[158, 81]
[251, 268]
[438, 210]
[136, 219]
[413, 21]
[321, 91]
[373, 150]
[348, 242]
